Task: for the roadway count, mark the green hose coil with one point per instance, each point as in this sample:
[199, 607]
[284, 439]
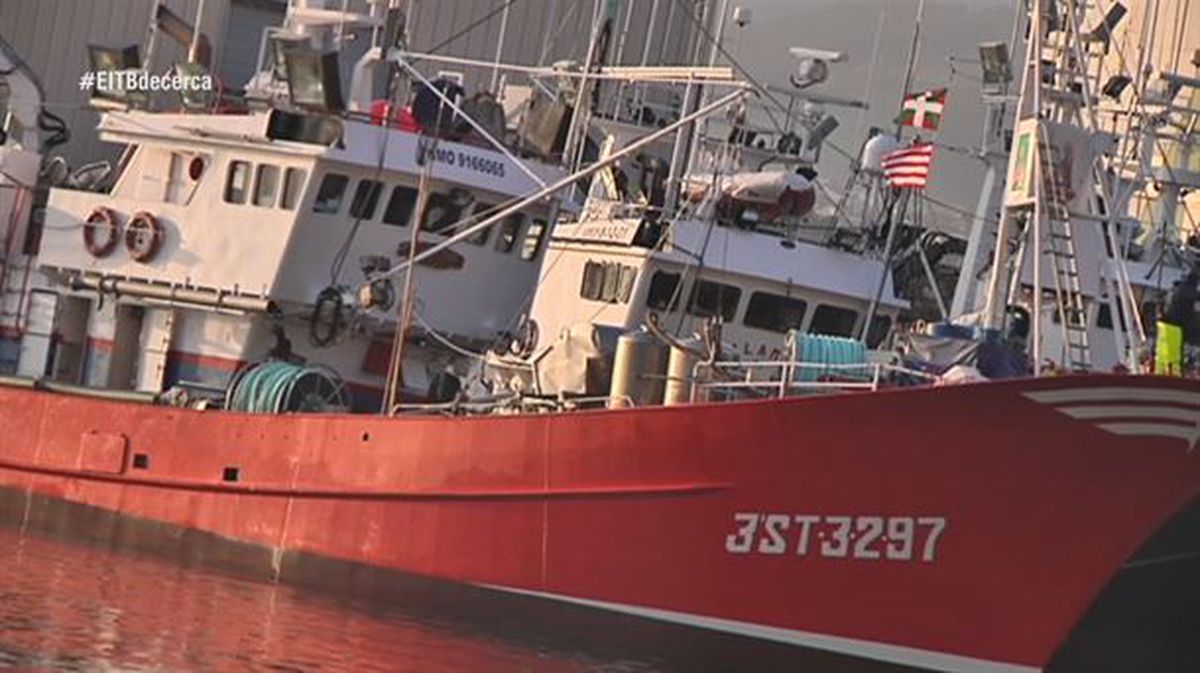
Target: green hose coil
[277, 387]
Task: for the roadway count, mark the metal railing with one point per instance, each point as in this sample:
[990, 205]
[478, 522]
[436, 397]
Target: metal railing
[780, 377]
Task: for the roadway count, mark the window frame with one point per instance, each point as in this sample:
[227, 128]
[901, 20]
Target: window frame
[874, 337]
[833, 307]
[480, 238]
[530, 253]
[364, 203]
[336, 208]
[591, 281]
[727, 312]
[512, 226]
[234, 165]
[273, 197]
[450, 213]
[658, 279]
[411, 207]
[750, 318]
[291, 192]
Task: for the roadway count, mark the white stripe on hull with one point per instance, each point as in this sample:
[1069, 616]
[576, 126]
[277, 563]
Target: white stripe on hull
[1186, 433]
[894, 654]
[1180, 420]
[1112, 411]
[1115, 394]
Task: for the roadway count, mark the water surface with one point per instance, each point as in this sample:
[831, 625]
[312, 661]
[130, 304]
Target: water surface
[68, 607]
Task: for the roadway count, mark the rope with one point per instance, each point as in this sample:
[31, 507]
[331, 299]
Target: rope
[445, 341]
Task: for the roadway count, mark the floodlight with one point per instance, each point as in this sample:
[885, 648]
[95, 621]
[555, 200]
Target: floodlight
[997, 69]
[1116, 85]
[821, 130]
[113, 59]
[313, 79]
[1103, 32]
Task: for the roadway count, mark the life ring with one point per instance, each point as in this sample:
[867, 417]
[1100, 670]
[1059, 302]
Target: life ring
[143, 236]
[100, 232]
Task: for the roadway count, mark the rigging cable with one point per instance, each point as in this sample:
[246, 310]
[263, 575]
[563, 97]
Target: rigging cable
[343, 252]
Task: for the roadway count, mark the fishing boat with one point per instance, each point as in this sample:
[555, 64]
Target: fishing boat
[697, 424]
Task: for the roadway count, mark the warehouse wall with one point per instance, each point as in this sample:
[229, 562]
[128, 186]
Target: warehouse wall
[541, 32]
[52, 36]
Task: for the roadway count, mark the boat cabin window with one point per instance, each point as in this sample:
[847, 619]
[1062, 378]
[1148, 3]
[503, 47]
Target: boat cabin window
[444, 210]
[662, 295]
[625, 284]
[400, 206]
[266, 184]
[293, 187]
[510, 228]
[607, 281]
[1104, 318]
[880, 326]
[482, 210]
[185, 170]
[774, 312]
[712, 299]
[592, 284]
[237, 183]
[366, 197]
[533, 240]
[330, 193]
[833, 321]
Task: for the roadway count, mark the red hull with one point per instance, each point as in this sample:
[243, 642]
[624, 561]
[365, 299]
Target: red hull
[957, 528]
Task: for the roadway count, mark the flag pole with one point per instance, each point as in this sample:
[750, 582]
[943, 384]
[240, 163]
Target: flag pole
[912, 61]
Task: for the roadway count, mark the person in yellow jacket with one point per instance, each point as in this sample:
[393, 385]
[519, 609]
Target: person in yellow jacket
[1176, 324]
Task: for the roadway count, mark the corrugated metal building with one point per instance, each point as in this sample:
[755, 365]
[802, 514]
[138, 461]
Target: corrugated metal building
[52, 36]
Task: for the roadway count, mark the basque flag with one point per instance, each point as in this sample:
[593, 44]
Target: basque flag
[923, 110]
[908, 168]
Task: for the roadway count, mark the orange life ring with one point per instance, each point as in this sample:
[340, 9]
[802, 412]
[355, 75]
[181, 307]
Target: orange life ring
[100, 232]
[143, 236]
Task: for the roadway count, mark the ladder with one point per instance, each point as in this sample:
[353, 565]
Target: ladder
[1070, 305]
[1069, 298]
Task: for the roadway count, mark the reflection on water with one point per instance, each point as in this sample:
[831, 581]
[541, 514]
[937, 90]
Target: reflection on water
[77, 608]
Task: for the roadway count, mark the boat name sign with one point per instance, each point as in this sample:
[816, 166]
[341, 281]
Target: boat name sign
[469, 161]
[890, 538]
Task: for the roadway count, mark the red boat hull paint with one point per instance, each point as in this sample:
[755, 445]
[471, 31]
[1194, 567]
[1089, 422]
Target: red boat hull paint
[962, 528]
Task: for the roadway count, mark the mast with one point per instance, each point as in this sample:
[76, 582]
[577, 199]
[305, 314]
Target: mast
[912, 59]
[1059, 184]
[997, 288]
[500, 49]
[992, 153]
[894, 202]
[394, 385]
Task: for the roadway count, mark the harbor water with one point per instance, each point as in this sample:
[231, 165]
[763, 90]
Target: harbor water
[73, 607]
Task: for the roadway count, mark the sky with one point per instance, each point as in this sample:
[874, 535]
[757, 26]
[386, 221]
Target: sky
[950, 28]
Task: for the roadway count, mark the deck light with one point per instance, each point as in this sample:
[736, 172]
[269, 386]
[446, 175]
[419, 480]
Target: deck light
[313, 78]
[997, 69]
[1103, 32]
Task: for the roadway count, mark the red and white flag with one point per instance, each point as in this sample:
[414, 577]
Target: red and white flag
[908, 167]
[923, 110]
